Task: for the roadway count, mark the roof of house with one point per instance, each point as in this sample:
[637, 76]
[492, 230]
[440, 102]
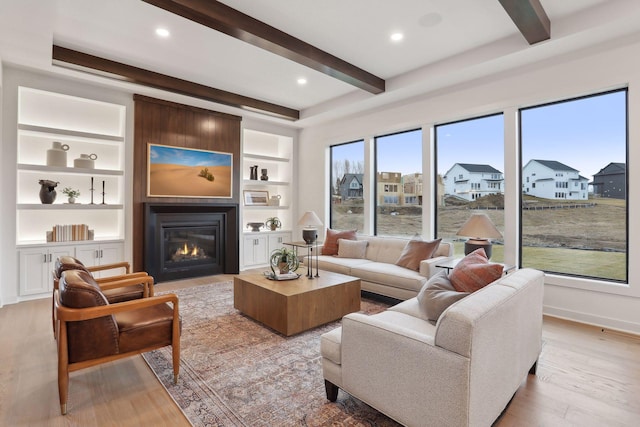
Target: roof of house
[612, 168]
[348, 177]
[475, 168]
[554, 165]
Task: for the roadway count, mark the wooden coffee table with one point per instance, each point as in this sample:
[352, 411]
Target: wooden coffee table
[293, 306]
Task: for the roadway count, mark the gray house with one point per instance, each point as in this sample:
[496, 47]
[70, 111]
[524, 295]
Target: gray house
[350, 186]
[611, 181]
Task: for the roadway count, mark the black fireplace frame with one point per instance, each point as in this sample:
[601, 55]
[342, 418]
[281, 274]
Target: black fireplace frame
[229, 247]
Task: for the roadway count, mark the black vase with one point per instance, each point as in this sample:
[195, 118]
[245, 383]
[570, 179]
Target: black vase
[47, 191]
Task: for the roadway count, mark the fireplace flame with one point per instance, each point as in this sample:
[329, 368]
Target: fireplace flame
[185, 253]
[194, 252]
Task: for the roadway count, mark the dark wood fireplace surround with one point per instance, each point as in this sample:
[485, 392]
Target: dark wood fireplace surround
[167, 123]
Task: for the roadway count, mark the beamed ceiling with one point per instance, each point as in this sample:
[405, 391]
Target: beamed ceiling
[249, 55]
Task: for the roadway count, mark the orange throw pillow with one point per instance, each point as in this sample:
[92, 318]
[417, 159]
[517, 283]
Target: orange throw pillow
[330, 246]
[474, 272]
[415, 251]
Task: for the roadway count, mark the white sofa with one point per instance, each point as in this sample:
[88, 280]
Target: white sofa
[377, 270]
[463, 371]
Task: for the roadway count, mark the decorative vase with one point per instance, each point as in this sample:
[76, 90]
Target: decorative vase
[284, 267]
[47, 191]
[86, 161]
[72, 200]
[264, 176]
[57, 154]
[254, 172]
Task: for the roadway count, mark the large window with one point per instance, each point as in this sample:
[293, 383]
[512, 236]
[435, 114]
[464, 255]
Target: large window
[574, 186]
[347, 186]
[399, 184]
[470, 177]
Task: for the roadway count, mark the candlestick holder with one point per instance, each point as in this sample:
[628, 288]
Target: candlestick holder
[103, 193]
[92, 190]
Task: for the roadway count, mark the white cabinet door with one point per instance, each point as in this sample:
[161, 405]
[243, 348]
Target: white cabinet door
[255, 250]
[100, 254]
[36, 265]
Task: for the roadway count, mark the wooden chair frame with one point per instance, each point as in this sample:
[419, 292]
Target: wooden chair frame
[66, 314]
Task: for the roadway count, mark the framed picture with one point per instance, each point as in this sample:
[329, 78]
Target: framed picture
[188, 172]
[256, 198]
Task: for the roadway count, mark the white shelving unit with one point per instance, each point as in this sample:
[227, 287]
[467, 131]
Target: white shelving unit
[88, 127]
[274, 153]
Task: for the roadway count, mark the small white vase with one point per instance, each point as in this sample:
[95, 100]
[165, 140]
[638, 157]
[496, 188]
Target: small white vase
[72, 200]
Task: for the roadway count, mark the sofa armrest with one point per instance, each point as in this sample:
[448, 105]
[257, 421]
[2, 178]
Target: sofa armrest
[389, 366]
[428, 266]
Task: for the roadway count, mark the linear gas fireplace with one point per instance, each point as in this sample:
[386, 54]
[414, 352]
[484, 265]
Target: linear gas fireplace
[189, 240]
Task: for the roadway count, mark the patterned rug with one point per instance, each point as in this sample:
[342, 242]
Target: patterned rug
[236, 372]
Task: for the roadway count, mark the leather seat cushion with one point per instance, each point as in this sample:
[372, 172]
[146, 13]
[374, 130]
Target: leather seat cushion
[144, 327]
[126, 293]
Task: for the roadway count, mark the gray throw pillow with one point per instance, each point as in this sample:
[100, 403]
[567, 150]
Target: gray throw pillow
[438, 294]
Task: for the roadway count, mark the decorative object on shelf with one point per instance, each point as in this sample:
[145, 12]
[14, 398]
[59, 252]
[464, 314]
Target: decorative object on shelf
[310, 222]
[285, 260]
[103, 193]
[253, 175]
[47, 191]
[85, 161]
[255, 226]
[92, 189]
[71, 194]
[57, 154]
[177, 172]
[275, 200]
[256, 198]
[480, 229]
[273, 223]
[264, 176]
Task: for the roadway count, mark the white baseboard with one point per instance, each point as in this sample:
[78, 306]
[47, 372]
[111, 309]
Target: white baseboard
[590, 319]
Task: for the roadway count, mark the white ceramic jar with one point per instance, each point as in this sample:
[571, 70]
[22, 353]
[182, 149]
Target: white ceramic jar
[57, 154]
[86, 161]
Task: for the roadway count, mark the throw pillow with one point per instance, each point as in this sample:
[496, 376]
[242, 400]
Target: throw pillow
[330, 246]
[474, 272]
[352, 248]
[415, 251]
[437, 295]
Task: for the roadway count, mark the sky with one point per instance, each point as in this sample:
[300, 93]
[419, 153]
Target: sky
[162, 154]
[585, 134]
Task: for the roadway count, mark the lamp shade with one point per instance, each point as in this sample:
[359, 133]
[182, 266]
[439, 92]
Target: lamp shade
[479, 226]
[310, 219]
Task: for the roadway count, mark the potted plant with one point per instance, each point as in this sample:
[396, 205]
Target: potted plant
[273, 223]
[71, 194]
[285, 260]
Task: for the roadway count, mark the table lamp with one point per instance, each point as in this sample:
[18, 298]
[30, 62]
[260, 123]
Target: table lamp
[479, 229]
[310, 222]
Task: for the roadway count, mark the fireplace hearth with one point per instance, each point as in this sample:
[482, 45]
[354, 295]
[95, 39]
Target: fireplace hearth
[190, 240]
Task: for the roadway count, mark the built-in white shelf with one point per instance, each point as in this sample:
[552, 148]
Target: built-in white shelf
[69, 206]
[259, 183]
[266, 207]
[56, 132]
[62, 169]
[250, 156]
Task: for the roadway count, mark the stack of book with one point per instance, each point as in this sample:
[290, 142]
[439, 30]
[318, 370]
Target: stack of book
[69, 232]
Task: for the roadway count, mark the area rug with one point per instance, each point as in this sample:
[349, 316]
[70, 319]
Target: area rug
[236, 372]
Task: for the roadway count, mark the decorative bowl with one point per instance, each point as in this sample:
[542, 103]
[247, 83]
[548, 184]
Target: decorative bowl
[255, 226]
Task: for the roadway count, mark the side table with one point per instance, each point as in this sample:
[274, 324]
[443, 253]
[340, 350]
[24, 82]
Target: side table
[310, 247]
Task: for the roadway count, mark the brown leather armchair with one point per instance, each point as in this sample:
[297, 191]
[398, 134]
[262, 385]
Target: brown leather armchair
[116, 288]
[91, 331]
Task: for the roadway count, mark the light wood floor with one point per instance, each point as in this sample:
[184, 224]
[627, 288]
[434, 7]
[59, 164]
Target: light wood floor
[586, 377]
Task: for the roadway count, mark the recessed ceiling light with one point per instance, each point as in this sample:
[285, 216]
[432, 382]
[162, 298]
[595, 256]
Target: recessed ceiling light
[396, 37]
[302, 81]
[162, 32]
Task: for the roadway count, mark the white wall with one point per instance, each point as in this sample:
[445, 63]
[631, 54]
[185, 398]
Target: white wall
[599, 68]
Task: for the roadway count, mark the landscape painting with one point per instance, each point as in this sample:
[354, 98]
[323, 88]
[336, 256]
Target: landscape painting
[187, 172]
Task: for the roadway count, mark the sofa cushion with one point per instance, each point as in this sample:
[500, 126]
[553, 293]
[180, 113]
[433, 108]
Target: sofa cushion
[330, 246]
[389, 274]
[352, 248]
[437, 295]
[474, 272]
[337, 265]
[415, 251]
